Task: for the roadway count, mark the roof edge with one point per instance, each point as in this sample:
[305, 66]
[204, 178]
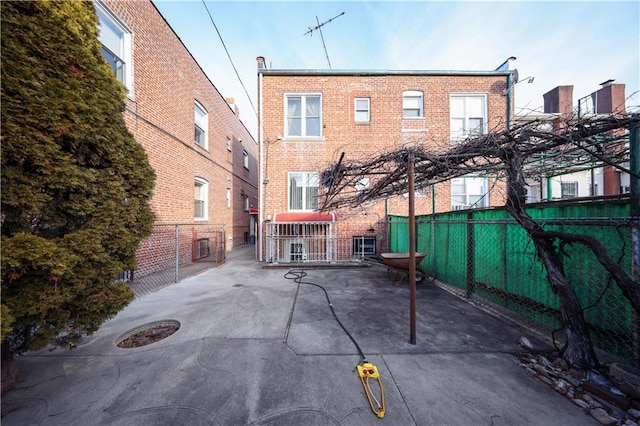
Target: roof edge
[355, 72]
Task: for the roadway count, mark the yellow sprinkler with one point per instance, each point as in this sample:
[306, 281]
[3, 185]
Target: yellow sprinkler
[368, 371]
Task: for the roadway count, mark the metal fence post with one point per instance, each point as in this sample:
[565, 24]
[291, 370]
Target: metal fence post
[177, 250]
[470, 254]
[634, 166]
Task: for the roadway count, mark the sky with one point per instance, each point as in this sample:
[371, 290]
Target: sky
[579, 43]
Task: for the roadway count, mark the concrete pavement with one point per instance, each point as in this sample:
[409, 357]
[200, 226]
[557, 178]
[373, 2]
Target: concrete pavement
[254, 348]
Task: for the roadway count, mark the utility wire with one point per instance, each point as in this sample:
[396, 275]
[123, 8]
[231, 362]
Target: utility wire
[230, 60]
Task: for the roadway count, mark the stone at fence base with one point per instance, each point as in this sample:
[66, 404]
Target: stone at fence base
[626, 378]
[603, 417]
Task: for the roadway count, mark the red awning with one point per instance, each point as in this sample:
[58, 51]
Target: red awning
[304, 217]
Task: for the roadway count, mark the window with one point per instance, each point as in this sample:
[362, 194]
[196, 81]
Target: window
[245, 203]
[228, 198]
[245, 159]
[468, 114]
[228, 143]
[469, 192]
[201, 121]
[362, 110]
[303, 191]
[362, 185]
[116, 45]
[364, 245]
[200, 200]
[569, 189]
[412, 104]
[303, 115]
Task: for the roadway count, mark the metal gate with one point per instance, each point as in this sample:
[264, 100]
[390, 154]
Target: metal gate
[296, 242]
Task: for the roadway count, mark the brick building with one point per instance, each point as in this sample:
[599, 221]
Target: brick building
[558, 107]
[205, 160]
[309, 117]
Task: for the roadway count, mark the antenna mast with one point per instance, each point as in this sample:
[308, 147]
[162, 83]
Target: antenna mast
[318, 27]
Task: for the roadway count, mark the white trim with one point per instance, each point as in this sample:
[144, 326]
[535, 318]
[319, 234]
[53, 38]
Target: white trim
[204, 124]
[303, 123]
[204, 185]
[127, 44]
[355, 109]
[413, 94]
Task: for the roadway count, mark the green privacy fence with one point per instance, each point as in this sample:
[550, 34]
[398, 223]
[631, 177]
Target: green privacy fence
[486, 254]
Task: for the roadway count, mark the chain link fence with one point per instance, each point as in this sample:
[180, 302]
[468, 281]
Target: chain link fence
[174, 252]
[487, 257]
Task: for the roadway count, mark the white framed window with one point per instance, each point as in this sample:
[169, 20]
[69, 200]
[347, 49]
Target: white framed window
[412, 104]
[469, 193]
[200, 199]
[201, 124]
[228, 198]
[362, 110]
[303, 191]
[468, 115]
[245, 159]
[116, 40]
[245, 203]
[363, 245]
[568, 189]
[303, 115]
[228, 145]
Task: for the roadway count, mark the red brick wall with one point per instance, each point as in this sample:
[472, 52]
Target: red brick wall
[342, 134]
[160, 114]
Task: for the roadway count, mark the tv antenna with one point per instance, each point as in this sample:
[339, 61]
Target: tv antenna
[319, 28]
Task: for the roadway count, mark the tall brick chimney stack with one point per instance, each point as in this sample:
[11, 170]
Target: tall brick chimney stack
[559, 101]
[260, 60]
[609, 99]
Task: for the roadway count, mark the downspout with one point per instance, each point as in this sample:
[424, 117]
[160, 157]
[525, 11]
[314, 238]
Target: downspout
[261, 173]
[510, 85]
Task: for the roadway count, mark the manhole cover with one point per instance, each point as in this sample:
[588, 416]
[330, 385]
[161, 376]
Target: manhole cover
[147, 334]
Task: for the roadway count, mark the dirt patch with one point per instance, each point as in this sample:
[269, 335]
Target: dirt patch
[146, 335]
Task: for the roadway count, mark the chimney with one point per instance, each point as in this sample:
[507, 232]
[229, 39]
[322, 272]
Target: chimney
[559, 100]
[260, 60]
[609, 98]
[233, 105]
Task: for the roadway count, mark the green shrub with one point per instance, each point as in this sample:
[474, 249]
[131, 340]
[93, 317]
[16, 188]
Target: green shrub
[75, 183]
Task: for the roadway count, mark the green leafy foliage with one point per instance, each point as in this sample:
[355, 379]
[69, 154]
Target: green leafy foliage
[75, 183]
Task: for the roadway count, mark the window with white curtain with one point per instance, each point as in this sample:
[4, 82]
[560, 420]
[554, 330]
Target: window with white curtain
[303, 115]
[303, 191]
[468, 114]
[469, 192]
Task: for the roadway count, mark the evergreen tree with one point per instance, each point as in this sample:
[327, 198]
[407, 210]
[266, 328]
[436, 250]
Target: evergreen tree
[75, 183]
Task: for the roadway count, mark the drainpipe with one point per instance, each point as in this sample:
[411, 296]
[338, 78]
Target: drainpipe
[260, 238]
[510, 99]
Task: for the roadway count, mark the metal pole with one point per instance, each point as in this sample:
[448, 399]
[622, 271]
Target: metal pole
[412, 251]
[177, 248]
[634, 183]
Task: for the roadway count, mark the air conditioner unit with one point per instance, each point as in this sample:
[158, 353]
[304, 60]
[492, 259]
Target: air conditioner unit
[202, 248]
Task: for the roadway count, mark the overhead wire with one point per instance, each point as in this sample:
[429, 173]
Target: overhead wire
[230, 60]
